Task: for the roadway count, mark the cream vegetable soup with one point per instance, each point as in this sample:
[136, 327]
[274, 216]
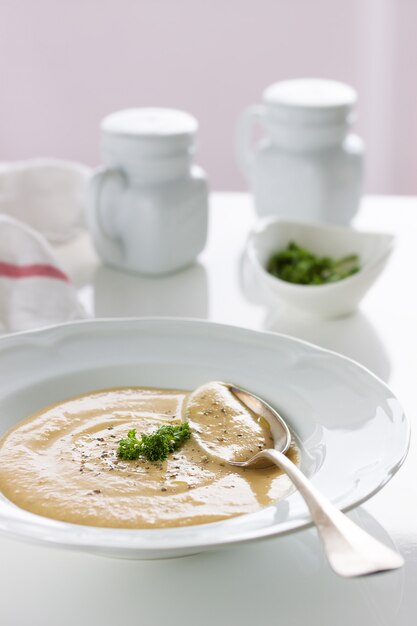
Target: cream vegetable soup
[62, 462]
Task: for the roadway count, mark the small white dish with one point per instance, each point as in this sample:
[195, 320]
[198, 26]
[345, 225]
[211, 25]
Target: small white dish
[332, 299]
[351, 429]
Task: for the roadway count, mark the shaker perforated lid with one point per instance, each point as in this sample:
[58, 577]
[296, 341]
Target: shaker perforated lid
[146, 132]
[310, 99]
[150, 122]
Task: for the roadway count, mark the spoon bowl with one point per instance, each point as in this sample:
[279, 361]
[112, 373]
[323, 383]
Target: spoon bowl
[279, 429]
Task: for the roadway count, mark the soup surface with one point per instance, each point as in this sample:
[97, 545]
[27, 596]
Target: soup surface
[62, 462]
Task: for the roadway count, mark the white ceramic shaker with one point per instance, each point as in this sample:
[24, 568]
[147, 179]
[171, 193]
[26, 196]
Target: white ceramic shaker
[147, 208]
[307, 165]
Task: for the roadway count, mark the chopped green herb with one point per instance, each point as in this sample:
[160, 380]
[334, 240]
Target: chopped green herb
[300, 266]
[156, 446]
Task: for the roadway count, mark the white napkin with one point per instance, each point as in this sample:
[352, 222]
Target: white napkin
[46, 195]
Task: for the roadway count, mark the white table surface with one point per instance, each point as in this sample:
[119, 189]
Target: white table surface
[285, 579]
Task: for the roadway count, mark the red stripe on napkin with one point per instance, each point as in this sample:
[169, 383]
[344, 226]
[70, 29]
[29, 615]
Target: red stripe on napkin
[29, 271]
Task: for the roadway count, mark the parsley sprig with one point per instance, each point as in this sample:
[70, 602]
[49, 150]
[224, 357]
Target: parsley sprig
[156, 446]
[298, 265]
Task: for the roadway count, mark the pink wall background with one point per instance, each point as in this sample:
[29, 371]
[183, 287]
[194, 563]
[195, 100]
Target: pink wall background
[64, 64]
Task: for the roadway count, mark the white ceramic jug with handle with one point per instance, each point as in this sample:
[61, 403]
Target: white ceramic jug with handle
[147, 207]
[307, 165]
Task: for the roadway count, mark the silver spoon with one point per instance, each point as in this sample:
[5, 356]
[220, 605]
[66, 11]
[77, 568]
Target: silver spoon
[349, 549]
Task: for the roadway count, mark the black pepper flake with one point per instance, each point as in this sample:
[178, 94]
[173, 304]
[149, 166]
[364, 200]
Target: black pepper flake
[100, 438]
[96, 490]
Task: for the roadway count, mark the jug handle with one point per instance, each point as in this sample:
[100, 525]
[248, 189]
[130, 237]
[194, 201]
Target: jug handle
[108, 245]
[244, 142]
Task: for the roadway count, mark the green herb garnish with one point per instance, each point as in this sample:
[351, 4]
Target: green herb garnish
[300, 266]
[156, 446]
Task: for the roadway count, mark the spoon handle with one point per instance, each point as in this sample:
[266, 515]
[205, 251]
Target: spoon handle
[350, 550]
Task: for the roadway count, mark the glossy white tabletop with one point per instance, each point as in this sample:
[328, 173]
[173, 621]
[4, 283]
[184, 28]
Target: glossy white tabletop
[285, 580]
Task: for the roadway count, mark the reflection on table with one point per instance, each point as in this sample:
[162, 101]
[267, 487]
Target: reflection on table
[119, 294]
